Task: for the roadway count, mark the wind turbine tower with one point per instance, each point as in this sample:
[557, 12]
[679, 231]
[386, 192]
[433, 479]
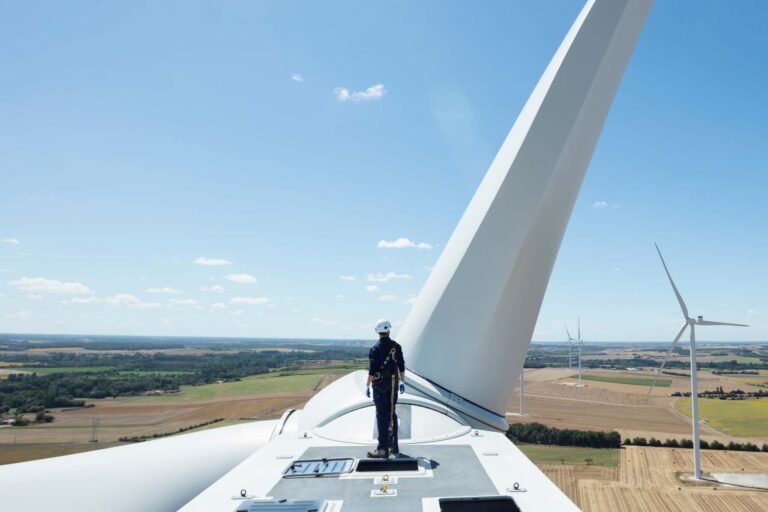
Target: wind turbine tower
[94, 428]
[692, 323]
[579, 343]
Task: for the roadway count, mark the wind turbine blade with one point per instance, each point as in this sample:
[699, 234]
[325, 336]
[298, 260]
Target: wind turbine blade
[568, 333]
[677, 293]
[709, 322]
[666, 357]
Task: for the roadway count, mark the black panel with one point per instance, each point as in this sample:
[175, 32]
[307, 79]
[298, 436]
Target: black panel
[379, 465]
[479, 504]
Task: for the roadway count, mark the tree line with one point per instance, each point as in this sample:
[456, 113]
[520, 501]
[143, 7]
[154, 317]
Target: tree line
[536, 433]
[137, 373]
[687, 443]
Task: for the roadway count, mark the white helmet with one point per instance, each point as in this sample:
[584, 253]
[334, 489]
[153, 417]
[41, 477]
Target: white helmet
[383, 326]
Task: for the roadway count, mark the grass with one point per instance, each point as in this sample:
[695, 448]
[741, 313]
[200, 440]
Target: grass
[12, 453]
[742, 418]
[299, 382]
[572, 455]
[159, 373]
[632, 381]
[67, 369]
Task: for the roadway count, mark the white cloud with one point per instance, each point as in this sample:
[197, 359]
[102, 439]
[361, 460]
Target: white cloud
[236, 312]
[164, 289]
[218, 306]
[130, 301]
[372, 288]
[296, 77]
[34, 296]
[402, 243]
[240, 278]
[389, 276]
[211, 262]
[374, 92]
[184, 302]
[348, 278]
[387, 298]
[84, 300]
[22, 314]
[251, 301]
[340, 296]
[215, 288]
[411, 300]
[600, 205]
[11, 241]
[42, 285]
[753, 312]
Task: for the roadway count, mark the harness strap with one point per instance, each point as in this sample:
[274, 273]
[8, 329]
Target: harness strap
[392, 416]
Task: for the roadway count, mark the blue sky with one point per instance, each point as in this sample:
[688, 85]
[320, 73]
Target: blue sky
[141, 144]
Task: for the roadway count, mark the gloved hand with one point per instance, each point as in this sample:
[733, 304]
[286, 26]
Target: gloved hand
[402, 388]
[368, 392]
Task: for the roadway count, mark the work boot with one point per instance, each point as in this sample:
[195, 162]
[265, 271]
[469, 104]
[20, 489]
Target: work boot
[377, 454]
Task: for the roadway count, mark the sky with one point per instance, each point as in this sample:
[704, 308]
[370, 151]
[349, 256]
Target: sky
[294, 169]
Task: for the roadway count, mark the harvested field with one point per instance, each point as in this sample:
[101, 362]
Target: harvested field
[646, 481]
[569, 477]
[630, 381]
[571, 413]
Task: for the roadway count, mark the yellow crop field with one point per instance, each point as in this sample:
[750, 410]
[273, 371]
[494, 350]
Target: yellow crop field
[743, 418]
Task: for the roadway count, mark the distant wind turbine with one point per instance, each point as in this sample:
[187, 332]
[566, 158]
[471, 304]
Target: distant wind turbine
[579, 343]
[692, 323]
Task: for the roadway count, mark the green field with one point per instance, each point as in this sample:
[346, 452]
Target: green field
[544, 454]
[738, 359]
[67, 369]
[12, 453]
[632, 381]
[743, 418]
[300, 382]
[159, 373]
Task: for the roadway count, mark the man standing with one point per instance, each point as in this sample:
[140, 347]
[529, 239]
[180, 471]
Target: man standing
[386, 368]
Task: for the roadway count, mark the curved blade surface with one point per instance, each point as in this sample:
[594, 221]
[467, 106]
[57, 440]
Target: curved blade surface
[666, 357]
[709, 322]
[677, 293]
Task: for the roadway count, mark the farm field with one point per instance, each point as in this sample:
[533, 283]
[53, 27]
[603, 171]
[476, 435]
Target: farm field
[570, 455]
[632, 381]
[743, 418]
[66, 369]
[646, 481]
[258, 397]
[249, 386]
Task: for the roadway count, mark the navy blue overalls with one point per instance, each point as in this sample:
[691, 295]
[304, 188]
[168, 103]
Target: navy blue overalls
[385, 361]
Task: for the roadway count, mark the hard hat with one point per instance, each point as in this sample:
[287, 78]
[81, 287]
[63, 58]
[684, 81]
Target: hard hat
[383, 326]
